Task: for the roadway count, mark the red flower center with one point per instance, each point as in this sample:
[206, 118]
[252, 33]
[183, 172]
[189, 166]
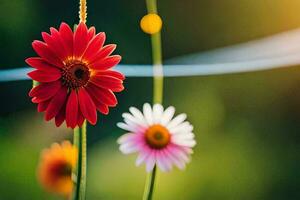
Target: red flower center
[157, 136]
[75, 74]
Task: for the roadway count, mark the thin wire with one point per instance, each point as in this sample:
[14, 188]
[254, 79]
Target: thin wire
[19, 74]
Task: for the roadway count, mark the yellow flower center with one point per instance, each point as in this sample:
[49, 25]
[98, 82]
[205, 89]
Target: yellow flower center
[151, 23]
[75, 74]
[157, 136]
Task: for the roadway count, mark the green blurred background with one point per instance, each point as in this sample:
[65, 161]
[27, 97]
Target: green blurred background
[246, 125]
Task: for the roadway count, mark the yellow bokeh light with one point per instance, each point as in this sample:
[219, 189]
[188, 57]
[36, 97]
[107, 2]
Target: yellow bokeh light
[151, 23]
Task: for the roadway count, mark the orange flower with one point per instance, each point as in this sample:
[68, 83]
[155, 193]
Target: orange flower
[55, 168]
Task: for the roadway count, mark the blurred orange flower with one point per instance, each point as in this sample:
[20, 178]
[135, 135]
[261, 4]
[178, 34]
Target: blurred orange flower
[55, 168]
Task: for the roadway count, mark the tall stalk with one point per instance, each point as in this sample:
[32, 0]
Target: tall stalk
[79, 138]
[157, 88]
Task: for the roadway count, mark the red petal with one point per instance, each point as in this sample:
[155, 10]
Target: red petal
[56, 103]
[39, 63]
[103, 53]
[45, 52]
[105, 96]
[91, 33]
[67, 38]
[54, 42]
[101, 107]
[112, 73]
[60, 117]
[106, 63]
[93, 47]
[44, 91]
[44, 76]
[72, 110]
[80, 118]
[87, 106]
[80, 40]
[108, 82]
[43, 106]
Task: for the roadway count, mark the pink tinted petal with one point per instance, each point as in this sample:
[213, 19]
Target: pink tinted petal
[93, 47]
[87, 106]
[167, 160]
[44, 91]
[45, 52]
[80, 40]
[103, 53]
[162, 161]
[179, 163]
[128, 148]
[126, 138]
[60, 117]
[108, 82]
[180, 153]
[39, 63]
[43, 106]
[67, 38]
[142, 157]
[44, 76]
[150, 161]
[56, 103]
[105, 96]
[72, 110]
[106, 63]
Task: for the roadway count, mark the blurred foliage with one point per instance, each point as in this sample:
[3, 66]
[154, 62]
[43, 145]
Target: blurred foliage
[246, 125]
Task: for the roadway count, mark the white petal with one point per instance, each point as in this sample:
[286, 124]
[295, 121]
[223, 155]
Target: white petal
[176, 121]
[183, 136]
[137, 114]
[157, 113]
[133, 119]
[183, 127]
[186, 143]
[126, 127]
[167, 115]
[148, 113]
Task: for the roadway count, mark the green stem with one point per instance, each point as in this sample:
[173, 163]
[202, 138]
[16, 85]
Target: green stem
[158, 84]
[156, 58]
[148, 192]
[79, 172]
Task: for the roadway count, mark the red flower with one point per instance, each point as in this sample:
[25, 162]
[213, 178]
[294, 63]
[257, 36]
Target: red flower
[75, 75]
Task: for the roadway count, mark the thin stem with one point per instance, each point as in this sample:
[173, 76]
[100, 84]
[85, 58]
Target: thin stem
[156, 58]
[82, 11]
[79, 173]
[79, 138]
[148, 192]
[157, 88]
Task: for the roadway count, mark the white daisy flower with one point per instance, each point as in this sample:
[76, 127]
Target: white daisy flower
[159, 138]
